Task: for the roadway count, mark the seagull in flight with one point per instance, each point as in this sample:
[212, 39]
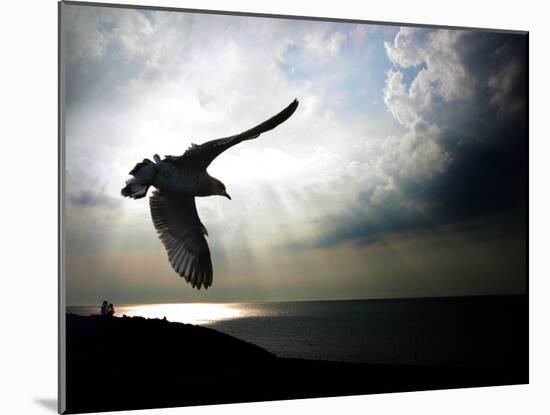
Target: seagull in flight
[177, 181]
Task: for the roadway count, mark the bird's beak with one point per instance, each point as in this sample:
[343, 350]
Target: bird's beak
[226, 195]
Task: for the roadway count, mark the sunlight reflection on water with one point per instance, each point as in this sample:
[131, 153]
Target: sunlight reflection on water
[190, 313]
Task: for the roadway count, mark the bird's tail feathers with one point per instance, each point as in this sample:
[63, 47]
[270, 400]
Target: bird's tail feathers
[134, 190]
[137, 186]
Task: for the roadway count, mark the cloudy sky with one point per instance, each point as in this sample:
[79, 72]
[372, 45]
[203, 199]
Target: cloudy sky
[403, 173]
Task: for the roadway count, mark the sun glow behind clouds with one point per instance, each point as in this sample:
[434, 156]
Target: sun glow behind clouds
[386, 158]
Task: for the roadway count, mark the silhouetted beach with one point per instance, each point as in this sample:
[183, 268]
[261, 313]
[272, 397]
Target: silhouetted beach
[119, 363]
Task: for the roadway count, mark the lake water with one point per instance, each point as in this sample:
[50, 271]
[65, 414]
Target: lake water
[437, 331]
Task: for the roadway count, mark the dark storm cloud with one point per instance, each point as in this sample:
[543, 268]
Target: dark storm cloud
[484, 137]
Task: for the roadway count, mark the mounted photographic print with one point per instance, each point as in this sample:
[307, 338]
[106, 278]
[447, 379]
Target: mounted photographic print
[258, 207]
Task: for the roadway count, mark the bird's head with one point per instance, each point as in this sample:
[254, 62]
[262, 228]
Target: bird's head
[218, 188]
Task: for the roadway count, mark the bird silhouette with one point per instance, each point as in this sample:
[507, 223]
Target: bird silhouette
[177, 181]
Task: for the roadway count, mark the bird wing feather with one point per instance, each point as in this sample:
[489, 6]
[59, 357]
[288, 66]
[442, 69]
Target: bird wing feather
[179, 228]
[200, 156]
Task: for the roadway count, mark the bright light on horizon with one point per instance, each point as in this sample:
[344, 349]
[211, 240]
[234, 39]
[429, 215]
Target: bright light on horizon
[191, 313]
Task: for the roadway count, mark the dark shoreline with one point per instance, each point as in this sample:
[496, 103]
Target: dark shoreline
[137, 363]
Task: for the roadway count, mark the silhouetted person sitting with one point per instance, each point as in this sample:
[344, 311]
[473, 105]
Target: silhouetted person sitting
[107, 309]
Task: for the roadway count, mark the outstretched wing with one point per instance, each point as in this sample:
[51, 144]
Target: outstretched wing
[177, 222]
[200, 156]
